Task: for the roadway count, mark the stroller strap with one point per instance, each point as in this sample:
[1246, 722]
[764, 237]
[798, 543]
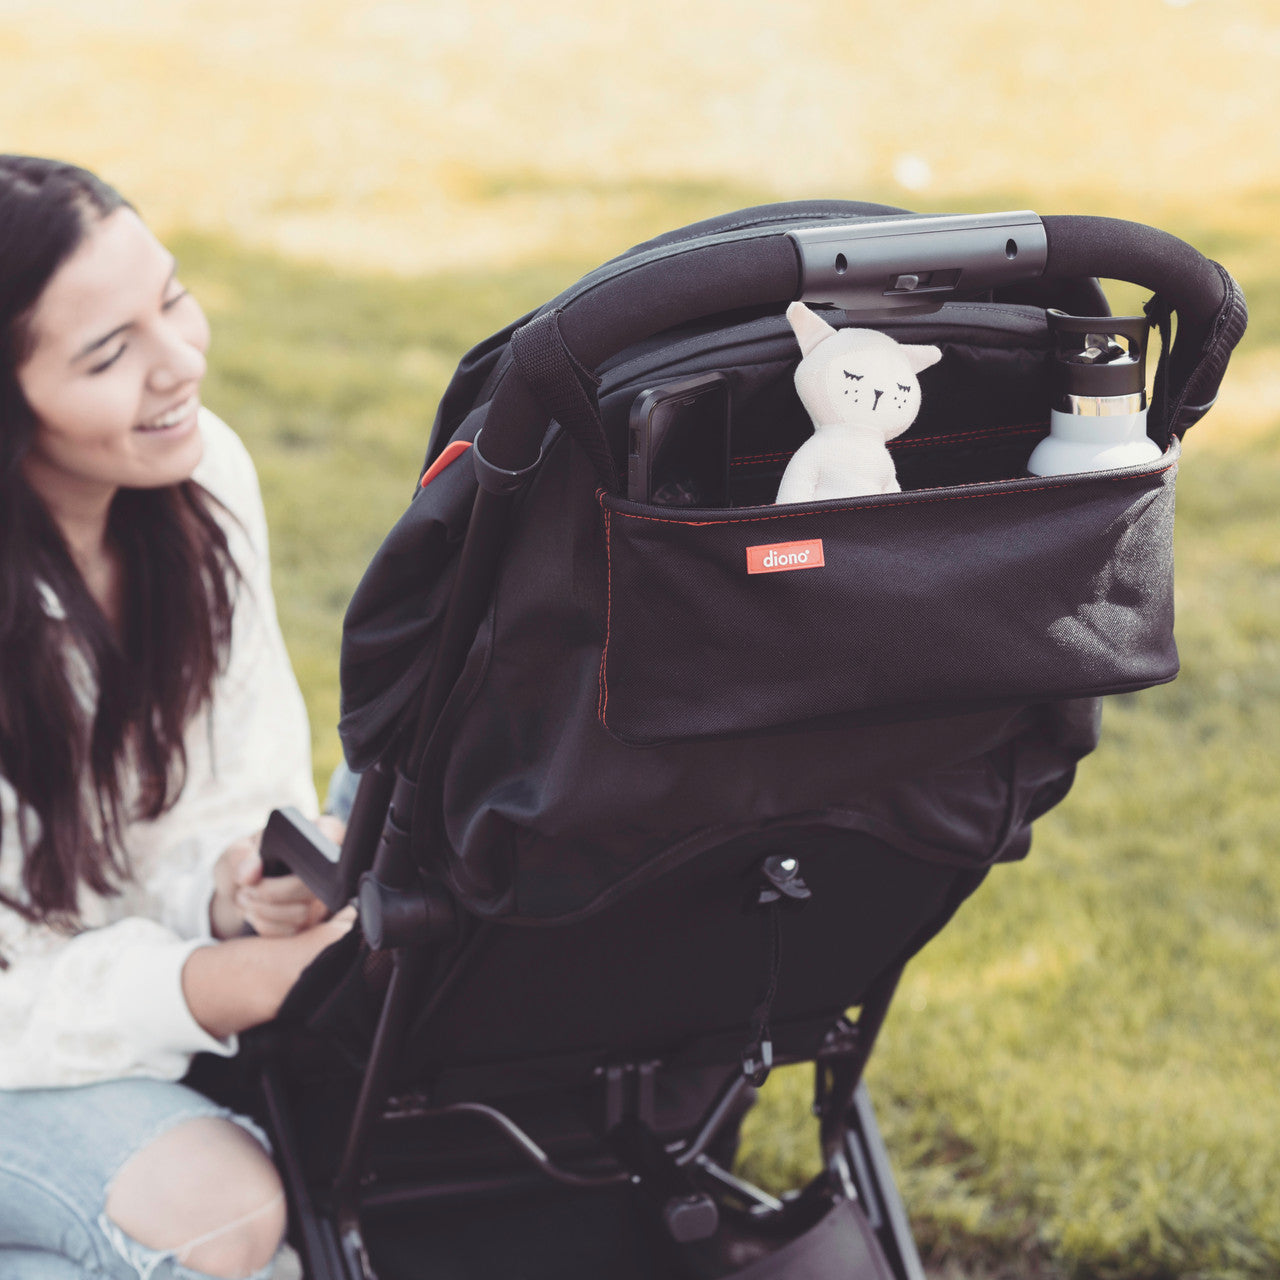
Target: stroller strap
[1179, 404]
[564, 388]
[1191, 400]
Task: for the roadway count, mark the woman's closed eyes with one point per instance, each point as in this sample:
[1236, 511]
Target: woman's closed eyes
[167, 305]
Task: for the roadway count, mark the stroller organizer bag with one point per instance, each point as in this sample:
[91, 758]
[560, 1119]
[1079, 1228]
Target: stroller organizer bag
[654, 792]
[920, 604]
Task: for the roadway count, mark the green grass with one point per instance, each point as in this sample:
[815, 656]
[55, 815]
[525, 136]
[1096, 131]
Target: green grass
[1078, 1076]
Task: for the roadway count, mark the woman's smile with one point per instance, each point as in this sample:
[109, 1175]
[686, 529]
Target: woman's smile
[176, 421]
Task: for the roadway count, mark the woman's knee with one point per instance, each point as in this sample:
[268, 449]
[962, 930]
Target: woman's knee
[205, 1191]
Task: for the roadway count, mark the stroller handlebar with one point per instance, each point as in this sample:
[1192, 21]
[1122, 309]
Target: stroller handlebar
[875, 267]
[1080, 245]
[888, 266]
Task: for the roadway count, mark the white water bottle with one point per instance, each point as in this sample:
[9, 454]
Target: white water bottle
[1098, 420]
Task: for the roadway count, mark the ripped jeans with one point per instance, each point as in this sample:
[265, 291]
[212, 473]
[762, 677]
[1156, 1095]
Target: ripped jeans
[60, 1150]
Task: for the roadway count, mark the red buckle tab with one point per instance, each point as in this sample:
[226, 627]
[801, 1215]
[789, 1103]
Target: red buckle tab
[451, 453]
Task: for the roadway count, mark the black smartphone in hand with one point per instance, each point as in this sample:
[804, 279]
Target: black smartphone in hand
[678, 443]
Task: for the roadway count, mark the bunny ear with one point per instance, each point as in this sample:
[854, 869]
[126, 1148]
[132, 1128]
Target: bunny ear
[921, 357]
[810, 329]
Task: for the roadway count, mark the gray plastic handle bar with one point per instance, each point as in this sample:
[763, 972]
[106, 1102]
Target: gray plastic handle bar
[887, 266]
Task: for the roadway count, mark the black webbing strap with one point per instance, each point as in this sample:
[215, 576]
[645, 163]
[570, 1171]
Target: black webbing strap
[1159, 316]
[1194, 396]
[780, 887]
[757, 1057]
[564, 388]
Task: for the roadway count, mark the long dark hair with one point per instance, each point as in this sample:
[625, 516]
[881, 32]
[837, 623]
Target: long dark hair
[70, 767]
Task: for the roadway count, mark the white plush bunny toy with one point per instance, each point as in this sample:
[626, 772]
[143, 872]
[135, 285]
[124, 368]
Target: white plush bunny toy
[860, 389]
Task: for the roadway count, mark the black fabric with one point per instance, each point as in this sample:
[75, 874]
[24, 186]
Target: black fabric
[677, 963]
[544, 1233]
[634, 697]
[539, 811]
[392, 624]
[564, 388]
[1160, 317]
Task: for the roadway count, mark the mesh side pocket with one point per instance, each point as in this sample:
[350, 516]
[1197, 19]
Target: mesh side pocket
[895, 606]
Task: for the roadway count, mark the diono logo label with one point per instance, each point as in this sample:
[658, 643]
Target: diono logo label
[781, 556]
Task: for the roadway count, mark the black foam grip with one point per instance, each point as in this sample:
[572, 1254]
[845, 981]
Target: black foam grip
[1118, 250]
[683, 287]
[693, 282]
[1114, 249]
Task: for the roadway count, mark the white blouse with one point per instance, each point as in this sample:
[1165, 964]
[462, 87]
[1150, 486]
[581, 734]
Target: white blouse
[107, 1001]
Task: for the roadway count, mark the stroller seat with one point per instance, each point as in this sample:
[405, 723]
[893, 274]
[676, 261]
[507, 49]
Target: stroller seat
[634, 825]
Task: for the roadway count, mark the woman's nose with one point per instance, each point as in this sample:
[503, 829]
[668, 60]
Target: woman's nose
[177, 362]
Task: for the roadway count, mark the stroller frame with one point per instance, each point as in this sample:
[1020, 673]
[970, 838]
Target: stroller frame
[850, 1221]
[864, 1224]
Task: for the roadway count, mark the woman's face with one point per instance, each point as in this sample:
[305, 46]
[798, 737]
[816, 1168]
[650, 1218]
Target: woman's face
[114, 372]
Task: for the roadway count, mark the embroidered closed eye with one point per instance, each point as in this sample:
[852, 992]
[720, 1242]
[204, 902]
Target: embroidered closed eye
[857, 377]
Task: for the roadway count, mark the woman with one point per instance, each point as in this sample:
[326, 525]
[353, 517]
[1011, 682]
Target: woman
[149, 722]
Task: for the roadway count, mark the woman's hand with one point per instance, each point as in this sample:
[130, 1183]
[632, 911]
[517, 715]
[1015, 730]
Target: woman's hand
[275, 906]
[242, 982]
[236, 863]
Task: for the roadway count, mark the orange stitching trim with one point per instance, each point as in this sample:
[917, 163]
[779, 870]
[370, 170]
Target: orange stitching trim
[1020, 429]
[759, 457]
[981, 433]
[880, 506]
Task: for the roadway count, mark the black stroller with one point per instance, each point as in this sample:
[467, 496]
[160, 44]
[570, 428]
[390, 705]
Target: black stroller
[636, 824]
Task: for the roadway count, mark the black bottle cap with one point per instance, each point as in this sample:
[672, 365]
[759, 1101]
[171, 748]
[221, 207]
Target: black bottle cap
[1088, 361]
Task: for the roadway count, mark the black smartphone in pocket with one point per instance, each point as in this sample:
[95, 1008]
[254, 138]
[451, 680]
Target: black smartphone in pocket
[678, 450]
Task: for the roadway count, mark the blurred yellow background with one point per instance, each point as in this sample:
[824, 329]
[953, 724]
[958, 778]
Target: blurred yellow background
[406, 135]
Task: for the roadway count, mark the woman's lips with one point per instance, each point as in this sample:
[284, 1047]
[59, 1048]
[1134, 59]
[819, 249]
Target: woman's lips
[172, 418]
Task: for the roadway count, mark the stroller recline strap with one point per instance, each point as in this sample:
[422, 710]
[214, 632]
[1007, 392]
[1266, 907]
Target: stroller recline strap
[1160, 316]
[757, 1057]
[780, 886]
[564, 388]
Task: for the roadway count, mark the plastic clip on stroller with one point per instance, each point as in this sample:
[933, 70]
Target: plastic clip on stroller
[588, 728]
